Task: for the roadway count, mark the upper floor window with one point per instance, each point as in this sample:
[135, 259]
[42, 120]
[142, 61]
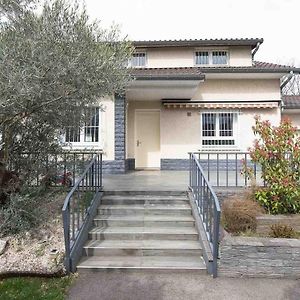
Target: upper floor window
[90, 133]
[219, 128]
[211, 57]
[138, 59]
[202, 58]
[219, 58]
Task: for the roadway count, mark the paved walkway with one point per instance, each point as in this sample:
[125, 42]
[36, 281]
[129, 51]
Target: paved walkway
[166, 180]
[179, 286]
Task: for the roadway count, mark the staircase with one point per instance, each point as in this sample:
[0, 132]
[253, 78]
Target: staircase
[136, 230]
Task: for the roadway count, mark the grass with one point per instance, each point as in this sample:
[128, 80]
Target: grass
[19, 288]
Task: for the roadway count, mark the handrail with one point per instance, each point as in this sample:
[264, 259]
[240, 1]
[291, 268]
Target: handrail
[208, 208]
[78, 204]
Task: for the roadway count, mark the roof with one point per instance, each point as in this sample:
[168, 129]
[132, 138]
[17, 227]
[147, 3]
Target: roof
[198, 73]
[188, 73]
[198, 42]
[291, 101]
[257, 67]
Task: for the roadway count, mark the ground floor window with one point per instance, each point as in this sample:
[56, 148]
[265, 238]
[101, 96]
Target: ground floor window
[89, 133]
[219, 129]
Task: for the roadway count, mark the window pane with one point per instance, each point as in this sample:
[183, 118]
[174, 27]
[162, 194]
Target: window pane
[138, 60]
[208, 124]
[219, 57]
[72, 134]
[91, 128]
[202, 58]
[226, 124]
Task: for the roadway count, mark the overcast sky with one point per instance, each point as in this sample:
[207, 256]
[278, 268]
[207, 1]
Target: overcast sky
[277, 21]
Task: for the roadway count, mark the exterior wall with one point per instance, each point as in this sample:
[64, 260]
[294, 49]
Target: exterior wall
[108, 129]
[246, 121]
[181, 132]
[259, 257]
[241, 89]
[184, 57]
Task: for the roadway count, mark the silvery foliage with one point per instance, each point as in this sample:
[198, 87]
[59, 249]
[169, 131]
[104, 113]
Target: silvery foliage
[54, 61]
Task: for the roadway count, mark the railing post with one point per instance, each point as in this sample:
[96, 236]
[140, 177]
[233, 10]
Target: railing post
[216, 242]
[66, 224]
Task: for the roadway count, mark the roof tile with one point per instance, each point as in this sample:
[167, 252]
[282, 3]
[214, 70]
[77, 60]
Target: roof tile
[291, 101]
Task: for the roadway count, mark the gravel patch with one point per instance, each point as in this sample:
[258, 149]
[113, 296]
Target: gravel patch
[40, 250]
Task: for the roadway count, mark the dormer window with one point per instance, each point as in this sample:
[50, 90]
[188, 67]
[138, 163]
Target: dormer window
[211, 57]
[138, 59]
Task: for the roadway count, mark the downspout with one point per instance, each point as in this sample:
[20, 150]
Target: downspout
[255, 49]
[287, 80]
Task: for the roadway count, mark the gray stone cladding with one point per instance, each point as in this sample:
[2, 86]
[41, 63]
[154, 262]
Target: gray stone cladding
[118, 165]
[259, 257]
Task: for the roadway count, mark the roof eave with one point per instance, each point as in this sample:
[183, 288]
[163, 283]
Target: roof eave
[197, 43]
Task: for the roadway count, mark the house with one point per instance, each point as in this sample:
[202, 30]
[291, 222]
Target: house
[187, 95]
[291, 109]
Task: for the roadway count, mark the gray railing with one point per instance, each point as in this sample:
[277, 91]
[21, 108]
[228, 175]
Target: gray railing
[208, 208]
[79, 209]
[225, 169]
[55, 169]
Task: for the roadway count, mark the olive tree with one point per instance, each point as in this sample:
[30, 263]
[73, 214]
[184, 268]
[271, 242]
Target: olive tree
[54, 61]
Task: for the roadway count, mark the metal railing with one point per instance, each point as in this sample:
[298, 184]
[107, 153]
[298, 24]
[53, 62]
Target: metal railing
[58, 169]
[224, 169]
[79, 208]
[208, 208]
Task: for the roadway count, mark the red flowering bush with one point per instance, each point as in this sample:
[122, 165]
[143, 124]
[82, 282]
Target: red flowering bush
[277, 150]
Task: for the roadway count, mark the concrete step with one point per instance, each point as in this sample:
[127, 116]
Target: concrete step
[145, 209]
[142, 248]
[144, 220]
[180, 263]
[143, 233]
[143, 199]
[147, 193]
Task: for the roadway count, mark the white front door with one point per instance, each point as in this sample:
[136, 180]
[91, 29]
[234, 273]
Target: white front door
[147, 139]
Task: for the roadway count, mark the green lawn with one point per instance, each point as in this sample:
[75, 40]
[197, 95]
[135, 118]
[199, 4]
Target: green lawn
[34, 288]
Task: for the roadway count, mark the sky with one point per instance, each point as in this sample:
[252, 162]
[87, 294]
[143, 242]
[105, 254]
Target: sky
[277, 21]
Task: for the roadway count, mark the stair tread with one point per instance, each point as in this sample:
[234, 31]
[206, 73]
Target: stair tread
[145, 262]
[147, 206]
[153, 218]
[143, 244]
[144, 229]
[144, 197]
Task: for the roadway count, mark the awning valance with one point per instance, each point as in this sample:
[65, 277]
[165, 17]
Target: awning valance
[218, 105]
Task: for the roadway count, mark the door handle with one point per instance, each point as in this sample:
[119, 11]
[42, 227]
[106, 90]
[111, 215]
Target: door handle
[138, 143]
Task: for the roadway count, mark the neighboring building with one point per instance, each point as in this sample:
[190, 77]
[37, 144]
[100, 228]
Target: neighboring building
[188, 95]
[291, 109]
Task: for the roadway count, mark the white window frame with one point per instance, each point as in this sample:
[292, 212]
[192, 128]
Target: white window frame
[217, 136]
[210, 57]
[82, 143]
[138, 52]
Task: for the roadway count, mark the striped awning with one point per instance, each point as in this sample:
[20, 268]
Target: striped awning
[219, 105]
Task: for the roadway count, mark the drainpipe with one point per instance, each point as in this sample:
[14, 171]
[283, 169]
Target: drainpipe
[284, 83]
[287, 80]
[255, 49]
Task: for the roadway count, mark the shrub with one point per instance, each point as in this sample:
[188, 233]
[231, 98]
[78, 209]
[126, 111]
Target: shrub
[277, 151]
[239, 214]
[20, 214]
[282, 231]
